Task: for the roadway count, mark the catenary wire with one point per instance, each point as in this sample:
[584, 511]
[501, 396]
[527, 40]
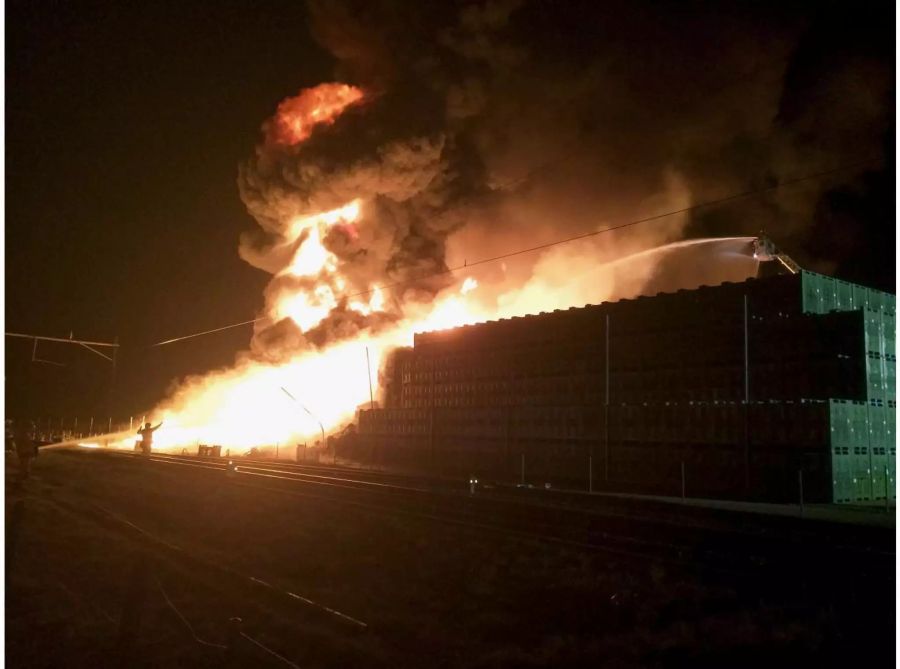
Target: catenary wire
[567, 240]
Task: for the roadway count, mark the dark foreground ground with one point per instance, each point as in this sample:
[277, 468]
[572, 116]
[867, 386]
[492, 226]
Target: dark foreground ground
[116, 562]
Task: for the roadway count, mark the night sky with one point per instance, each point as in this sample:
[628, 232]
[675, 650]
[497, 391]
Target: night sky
[126, 123]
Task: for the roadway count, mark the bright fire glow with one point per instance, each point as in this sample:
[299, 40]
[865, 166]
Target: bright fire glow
[312, 257]
[307, 310]
[244, 406]
[297, 116]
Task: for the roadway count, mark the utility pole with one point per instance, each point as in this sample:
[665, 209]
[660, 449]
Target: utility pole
[606, 412]
[746, 397]
[369, 371]
[92, 346]
[321, 427]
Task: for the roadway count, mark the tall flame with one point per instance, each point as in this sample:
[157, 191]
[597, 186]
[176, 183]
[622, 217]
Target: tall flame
[297, 116]
[245, 406]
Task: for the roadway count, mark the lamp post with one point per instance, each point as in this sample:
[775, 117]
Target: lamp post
[321, 427]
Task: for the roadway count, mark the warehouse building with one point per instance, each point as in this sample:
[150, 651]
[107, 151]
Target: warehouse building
[747, 390]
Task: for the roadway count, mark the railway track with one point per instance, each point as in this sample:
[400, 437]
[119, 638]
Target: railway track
[674, 540]
[276, 611]
[294, 612]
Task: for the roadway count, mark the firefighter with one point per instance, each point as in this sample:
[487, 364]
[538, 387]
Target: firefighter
[146, 433]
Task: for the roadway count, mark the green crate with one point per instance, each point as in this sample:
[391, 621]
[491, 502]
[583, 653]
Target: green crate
[890, 414]
[890, 378]
[889, 332]
[859, 433]
[843, 295]
[841, 475]
[874, 300]
[873, 325]
[840, 422]
[851, 451]
[877, 425]
[862, 473]
[879, 460]
[881, 440]
[884, 302]
[892, 470]
[827, 294]
[811, 292]
[861, 423]
[843, 463]
[875, 377]
[860, 297]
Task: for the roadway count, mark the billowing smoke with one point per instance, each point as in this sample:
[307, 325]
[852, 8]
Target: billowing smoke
[456, 132]
[491, 126]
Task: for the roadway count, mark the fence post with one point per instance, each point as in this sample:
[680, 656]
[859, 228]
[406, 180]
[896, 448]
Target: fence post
[133, 609]
[590, 473]
[800, 480]
[683, 486]
[109, 426]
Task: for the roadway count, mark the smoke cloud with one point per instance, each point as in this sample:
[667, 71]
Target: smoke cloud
[456, 132]
[491, 126]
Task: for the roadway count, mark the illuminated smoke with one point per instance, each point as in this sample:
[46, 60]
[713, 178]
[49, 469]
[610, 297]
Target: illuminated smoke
[455, 139]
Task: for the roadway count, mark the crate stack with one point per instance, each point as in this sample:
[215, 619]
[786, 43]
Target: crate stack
[863, 448]
[743, 389]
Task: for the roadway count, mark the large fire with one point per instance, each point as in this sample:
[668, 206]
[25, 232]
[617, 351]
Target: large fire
[246, 405]
[297, 116]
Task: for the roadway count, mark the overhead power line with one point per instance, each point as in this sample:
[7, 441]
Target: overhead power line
[89, 345]
[567, 240]
[81, 342]
[206, 332]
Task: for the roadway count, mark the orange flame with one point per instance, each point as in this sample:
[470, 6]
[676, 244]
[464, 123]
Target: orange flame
[245, 405]
[297, 116]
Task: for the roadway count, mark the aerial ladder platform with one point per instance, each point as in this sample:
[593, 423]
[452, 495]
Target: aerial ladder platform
[764, 250]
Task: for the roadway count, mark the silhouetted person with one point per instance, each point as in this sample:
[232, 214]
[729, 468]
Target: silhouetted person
[146, 433]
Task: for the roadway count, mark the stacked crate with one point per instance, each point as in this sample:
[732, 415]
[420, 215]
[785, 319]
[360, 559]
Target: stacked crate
[747, 387]
[879, 311]
[863, 446]
[864, 460]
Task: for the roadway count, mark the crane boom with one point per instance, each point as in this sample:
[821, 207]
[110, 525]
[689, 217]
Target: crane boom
[764, 250]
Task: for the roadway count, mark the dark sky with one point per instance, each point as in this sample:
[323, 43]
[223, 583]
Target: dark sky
[125, 124]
